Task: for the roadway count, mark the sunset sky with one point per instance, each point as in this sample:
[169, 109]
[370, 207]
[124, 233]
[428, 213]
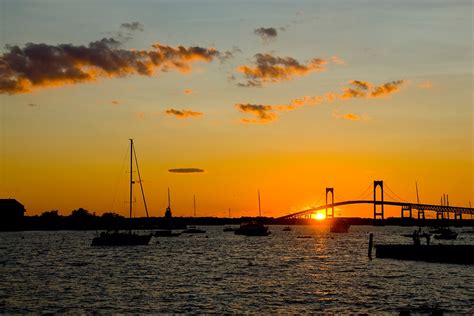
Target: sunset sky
[288, 97]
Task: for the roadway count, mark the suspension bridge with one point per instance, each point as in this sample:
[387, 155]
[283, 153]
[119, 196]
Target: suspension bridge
[407, 208]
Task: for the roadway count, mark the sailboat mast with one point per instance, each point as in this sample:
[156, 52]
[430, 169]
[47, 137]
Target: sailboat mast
[194, 203]
[131, 181]
[140, 181]
[259, 208]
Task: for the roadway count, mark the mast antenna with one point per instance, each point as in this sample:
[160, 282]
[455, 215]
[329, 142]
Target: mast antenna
[259, 208]
[169, 200]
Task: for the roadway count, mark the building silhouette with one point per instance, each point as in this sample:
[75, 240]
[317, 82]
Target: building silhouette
[11, 214]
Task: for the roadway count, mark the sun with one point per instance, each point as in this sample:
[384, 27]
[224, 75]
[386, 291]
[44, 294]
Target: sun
[320, 216]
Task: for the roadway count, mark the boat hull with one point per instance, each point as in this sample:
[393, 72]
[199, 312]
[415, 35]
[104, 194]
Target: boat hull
[461, 254]
[121, 239]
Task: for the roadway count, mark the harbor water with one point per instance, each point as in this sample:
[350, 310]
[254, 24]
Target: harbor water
[218, 272]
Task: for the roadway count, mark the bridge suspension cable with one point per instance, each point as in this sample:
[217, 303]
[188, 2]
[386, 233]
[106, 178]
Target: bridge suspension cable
[389, 189]
[364, 193]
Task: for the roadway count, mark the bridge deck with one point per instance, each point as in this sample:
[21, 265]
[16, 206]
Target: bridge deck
[415, 206]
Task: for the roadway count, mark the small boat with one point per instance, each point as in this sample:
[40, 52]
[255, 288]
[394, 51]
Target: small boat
[193, 230]
[339, 226]
[120, 239]
[252, 229]
[228, 229]
[287, 229]
[125, 238]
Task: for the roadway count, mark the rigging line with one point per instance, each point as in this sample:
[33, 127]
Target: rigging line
[140, 181]
[115, 191]
[319, 199]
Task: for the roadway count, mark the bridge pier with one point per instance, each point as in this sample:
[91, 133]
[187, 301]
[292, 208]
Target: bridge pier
[378, 214]
[421, 214]
[330, 215]
[406, 208]
[458, 216]
[440, 214]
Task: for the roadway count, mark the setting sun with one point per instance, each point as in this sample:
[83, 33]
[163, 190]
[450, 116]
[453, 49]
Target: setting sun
[320, 216]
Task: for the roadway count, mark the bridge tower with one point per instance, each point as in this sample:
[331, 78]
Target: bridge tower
[406, 208]
[421, 214]
[330, 215]
[378, 214]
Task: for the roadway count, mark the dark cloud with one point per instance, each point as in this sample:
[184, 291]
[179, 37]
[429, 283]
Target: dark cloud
[266, 33]
[134, 26]
[263, 114]
[40, 65]
[185, 170]
[181, 114]
[269, 68]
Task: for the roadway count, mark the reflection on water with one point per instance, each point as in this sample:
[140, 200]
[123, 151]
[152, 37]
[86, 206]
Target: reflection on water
[220, 272]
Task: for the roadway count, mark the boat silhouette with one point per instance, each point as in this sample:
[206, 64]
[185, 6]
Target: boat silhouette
[253, 228]
[129, 238]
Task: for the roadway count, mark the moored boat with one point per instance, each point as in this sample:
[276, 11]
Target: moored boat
[252, 229]
[129, 238]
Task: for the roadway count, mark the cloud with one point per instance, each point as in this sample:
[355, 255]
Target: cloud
[140, 115]
[182, 114]
[338, 60]
[425, 85]
[134, 26]
[185, 170]
[41, 65]
[363, 89]
[266, 34]
[350, 116]
[188, 91]
[33, 104]
[115, 102]
[263, 114]
[272, 69]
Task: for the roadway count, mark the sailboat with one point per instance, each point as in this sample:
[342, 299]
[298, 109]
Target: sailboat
[193, 229]
[253, 228]
[126, 238]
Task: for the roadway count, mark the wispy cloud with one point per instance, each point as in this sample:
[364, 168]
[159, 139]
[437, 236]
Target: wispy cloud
[264, 114]
[186, 170]
[41, 65]
[133, 26]
[115, 102]
[425, 85]
[187, 91]
[182, 114]
[350, 116]
[338, 60]
[269, 68]
[266, 33]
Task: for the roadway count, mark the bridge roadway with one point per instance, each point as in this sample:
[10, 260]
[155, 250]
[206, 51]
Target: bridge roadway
[414, 206]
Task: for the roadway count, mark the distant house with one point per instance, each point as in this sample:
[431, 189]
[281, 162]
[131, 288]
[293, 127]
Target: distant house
[11, 214]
